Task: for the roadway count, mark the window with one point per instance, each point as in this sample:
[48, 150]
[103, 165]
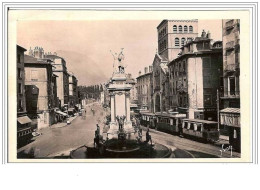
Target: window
[18, 58]
[180, 29]
[190, 29]
[19, 73]
[206, 62]
[177, 42]
[208, 100]
[185, 29]
[19, 88]
[231, 85]
[182, 41]
[34, 75]
[20, 105]
[207, 82]
[174, 29]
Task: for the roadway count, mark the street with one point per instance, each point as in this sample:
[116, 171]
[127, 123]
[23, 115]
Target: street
[57, 142]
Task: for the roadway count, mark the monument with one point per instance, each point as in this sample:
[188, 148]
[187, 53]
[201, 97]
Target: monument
[119, 91]
[119, 138]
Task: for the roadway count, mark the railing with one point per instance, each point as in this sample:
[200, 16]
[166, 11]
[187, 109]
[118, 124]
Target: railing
[230, 67]
[230, 94]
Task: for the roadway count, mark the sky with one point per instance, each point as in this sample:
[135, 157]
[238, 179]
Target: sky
[86, 45]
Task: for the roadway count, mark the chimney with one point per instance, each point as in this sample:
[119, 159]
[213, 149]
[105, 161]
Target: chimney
[150, 68]
[203, 34]
[140, 73]
[54, 53]
[209, 35]
[145, 70]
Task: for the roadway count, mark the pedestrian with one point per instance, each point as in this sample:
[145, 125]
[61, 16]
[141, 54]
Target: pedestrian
[148, 137]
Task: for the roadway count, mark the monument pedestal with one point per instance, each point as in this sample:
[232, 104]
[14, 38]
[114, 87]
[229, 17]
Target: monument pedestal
[119, 91]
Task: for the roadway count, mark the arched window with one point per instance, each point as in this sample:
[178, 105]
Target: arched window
[185, 29]
[180, 29]
[190, 29]
[177, 42]
[174, 29]
[182, 41]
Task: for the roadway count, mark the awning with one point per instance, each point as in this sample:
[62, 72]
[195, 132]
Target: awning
[23, 120]
[230, 117]
[61, 113]
[230, 110]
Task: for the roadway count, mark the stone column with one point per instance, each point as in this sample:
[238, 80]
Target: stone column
[127, 97]
[112, 106]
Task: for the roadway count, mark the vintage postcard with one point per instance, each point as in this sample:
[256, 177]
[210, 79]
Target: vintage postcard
[129, 86]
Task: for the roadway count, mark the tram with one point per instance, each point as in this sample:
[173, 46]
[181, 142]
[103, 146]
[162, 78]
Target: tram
[170, 123]
[148, 119]
[202, 129]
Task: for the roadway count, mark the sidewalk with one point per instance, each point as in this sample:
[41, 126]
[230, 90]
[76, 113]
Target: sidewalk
[63, 124]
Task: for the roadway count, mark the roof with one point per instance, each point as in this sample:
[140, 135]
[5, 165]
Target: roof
[30, 59]
[53, 57]
[201, 121]
[230, 110]
[20, 47]
[143, 75]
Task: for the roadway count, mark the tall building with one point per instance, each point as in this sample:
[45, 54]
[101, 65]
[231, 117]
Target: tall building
[23, 121]
[195, 76]
[73, 83]
[60, 70]
[40, 84]
[173, 34]
[230, 98]
[143, 87]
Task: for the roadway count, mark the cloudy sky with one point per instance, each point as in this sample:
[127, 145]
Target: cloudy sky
[86, 45]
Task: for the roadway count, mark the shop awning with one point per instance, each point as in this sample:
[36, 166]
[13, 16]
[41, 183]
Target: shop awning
[230, 110]
[230, 117]
[61, 113]
[23, 120]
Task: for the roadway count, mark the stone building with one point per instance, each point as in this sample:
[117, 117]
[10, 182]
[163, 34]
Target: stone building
[143, 87]
[40, 90]
[73, 95]
[172, 35]
[230, 97]
[23, 121]
[195, 76]
[60, 70]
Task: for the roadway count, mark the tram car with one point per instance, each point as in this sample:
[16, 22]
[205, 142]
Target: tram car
[201, 129]
[170, 123]
[148, 120]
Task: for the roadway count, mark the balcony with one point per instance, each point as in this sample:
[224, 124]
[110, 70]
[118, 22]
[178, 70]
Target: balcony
[230, 94]
[230, 45]
[230, 24]
[231, 67]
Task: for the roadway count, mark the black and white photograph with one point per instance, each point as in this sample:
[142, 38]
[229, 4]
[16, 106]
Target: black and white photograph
[129, 85]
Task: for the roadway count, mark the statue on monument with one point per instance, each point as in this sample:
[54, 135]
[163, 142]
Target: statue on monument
[118, 65]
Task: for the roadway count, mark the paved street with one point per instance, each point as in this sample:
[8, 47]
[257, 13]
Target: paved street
[55, 140]
[59, 141]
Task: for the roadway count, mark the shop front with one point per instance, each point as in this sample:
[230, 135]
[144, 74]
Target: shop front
[230, 118]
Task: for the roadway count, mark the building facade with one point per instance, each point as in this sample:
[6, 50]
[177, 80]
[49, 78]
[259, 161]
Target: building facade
[60, 70]
[230, 97]
[143, 87]
[40, 90]
[73, 95]
[195, 77]
[173, 34]
[23, 121]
